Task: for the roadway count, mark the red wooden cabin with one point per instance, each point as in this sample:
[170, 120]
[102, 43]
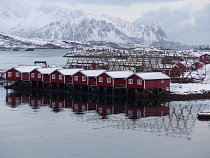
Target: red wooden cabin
[148, 80]
[91, 76]
[20, 73]
[113, 78]
[63, 75]
[43, 74]
[205, 58]
[197, 65]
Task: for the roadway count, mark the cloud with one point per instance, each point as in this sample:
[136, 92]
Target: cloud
[88, 2]
[182, 24]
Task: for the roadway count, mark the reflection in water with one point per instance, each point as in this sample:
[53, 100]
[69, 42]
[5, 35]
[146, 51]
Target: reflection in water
[175, 119]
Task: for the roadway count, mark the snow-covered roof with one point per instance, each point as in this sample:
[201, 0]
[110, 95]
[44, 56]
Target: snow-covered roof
[26, 69]
[48, 70]
[93, 73]
[70, 72]
[119, 74]
[152, 75]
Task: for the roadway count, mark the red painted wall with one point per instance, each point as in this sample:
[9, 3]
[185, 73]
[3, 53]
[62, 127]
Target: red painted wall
[57, 80]
[91, 81]
[134, 85]
[46, 78]
[79, 82]
[68, 79]
[13, 75]
[104, 83]
[205, 58]
[35, 76]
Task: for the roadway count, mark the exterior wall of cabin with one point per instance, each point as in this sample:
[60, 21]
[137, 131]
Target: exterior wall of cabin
[46, 78]
[25, 76]
[91, 81]
[134, 85]
[68, 79]
[79, 81]
[205, 58]
[57, 79]
[104, 82]
[150, 84]
[36, 76]
[119, 82]
[11, 75]
[164, 83]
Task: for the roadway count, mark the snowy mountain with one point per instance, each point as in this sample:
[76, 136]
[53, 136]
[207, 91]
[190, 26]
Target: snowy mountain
[55, 23]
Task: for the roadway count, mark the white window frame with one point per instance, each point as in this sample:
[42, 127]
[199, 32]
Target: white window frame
[53, 76]
[39, 75]
[109, 80]
[9, 74]
[139, 82]
[130, 81]
[60, 77]
[100, 79]
[75, 78]
[161, 81]
[83, 78]
[17, 74]
[32, 75]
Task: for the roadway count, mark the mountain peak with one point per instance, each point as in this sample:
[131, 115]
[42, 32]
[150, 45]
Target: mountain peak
[52, 23]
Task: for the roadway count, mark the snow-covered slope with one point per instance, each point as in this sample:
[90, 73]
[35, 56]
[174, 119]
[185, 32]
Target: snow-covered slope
[55, 23]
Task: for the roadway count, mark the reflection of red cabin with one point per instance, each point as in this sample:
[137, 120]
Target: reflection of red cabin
[25, 99]
[113, 78]
[148, 80]
[68, 103]
[35, 101]
[156, 111]
[205, 58]
[46, 101]
[57, 105]
[20, 73]
[63, 75]
[134, 112]
[13, 101]
[79, 107]
[104, 110]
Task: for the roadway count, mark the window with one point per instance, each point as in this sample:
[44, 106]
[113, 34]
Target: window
[139, 82]
[60, 77]
[162, 81]
[75, 78]
[9, 74]
[109, 80]
[130, 81]
[83, 78]
[32, 75]
[53, 76]
[39, 75]
[17, 74]
[100, 79]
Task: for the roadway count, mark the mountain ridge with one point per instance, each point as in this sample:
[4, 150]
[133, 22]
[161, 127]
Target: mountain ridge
[56, 23]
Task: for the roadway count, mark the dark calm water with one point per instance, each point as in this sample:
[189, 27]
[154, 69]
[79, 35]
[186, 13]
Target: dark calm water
[51, 125]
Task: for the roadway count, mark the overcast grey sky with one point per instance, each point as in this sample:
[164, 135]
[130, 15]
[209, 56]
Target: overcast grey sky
[186, 21]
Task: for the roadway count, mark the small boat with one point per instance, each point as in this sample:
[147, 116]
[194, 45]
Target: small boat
[15, 49]
[204, 115]
[29, 49]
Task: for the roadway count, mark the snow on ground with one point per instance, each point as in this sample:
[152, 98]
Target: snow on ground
[193, 88]
[189, 88]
